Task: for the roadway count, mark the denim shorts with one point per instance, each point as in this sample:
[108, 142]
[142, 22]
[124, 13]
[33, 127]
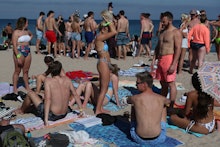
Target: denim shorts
[157, 141]
[39, 34]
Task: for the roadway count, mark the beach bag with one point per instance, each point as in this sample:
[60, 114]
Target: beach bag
[13, 138]
[57, 140]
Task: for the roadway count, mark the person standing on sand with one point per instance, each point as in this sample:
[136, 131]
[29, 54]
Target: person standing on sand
[49, 28]
[150, 130]
[68, 34]
[58, 90]
[123, 36]
[90, 27]
[21, 38]
[9, 31]
[39, 31]
[107, 30]
[145, 35]
[167, 52]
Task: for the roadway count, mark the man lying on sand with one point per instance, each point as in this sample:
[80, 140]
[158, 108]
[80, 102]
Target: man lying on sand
[58, 90]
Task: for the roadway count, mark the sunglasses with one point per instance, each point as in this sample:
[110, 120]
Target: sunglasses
[137, 83]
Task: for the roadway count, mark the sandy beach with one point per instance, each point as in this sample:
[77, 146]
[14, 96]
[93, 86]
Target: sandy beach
[38, 66]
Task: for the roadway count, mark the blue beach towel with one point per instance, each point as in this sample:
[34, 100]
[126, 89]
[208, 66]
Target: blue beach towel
[122, 92]
[119, 134]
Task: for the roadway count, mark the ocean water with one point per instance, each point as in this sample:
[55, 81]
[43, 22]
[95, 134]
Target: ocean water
[134, 28]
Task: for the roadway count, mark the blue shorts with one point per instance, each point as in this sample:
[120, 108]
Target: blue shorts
[89, 36]
[76, 36]
[122, 38]
[24, 50]
[39, 34]
[151, 142]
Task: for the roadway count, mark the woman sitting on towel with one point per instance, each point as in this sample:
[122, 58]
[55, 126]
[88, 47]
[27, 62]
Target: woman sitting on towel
[198, 115]
[90, 91]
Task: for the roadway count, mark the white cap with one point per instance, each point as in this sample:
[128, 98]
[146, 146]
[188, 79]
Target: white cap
[85, 16]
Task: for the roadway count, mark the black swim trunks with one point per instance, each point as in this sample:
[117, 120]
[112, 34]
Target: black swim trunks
[51, 117]
[196, 46]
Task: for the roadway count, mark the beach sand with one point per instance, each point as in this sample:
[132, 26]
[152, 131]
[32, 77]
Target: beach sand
[38, 66]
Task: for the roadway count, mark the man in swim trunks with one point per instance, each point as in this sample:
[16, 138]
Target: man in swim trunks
[90, 27]
[39, 31]
[58, 90]
[167, 52]
[145, 35]
[150, 130]
[51, 27]
[123, 37]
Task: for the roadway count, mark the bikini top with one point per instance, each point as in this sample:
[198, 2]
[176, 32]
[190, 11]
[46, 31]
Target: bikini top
[105, 48]
[24, 38]
[110, 84]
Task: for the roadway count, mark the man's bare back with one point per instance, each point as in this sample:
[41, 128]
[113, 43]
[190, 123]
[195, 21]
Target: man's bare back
[57, 89]
[149, 113]
[146, 25]
[39, 24]
[68, 26]
[89, 25]
[49, 23]
[123, 25]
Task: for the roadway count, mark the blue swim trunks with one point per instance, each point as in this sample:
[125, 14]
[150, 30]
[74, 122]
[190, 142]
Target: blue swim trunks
[122, 38]
[146, 36]
[89, 36]
[151, 142]
[39, 34]
[76, 36]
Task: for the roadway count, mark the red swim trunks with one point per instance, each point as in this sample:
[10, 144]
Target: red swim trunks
[51, 36]
[163, 66]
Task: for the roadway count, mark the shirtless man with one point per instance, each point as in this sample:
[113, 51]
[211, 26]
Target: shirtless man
[39, 31]
[90, 27]
[76, 36]
[49, 28]
[9, 31]
[145, 35]
[123, 34]
[194, 20]
[58, 90]
[68, 32]
[148, 113]
[167, 52]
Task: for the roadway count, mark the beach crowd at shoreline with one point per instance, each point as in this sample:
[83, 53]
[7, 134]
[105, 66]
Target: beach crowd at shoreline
[180, 53]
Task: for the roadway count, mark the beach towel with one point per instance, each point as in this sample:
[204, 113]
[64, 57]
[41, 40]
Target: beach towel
[36, 123]
[131, 72]
[169, 125]
[79, 74]
[119, 134]
[122, 92]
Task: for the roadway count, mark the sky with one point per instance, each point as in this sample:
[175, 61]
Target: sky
[13, 9]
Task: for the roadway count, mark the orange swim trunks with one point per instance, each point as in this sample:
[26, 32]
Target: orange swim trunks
[163, 66]
[51, 36]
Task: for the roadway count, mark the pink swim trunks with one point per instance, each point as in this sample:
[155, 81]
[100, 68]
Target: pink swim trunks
[51, 36]
[163, 67]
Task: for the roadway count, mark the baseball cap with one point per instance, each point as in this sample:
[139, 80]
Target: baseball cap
[193, 12]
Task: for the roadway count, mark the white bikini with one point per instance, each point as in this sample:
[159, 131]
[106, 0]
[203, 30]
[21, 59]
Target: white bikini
[24, 38]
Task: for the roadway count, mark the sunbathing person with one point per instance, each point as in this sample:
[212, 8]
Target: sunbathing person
[5, 125]
[48, 59]
[198, 115]
[90, 91]
[58, 90]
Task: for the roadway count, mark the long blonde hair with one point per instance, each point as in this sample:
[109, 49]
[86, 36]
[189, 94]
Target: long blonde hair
[107, 16]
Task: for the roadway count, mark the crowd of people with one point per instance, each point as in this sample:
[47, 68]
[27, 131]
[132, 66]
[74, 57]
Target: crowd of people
[110, 39]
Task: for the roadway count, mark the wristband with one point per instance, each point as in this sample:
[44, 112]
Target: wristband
[18, 56]
[106, 24]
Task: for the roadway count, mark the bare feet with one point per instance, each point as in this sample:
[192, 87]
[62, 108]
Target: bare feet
[102, 111]
[18, 111]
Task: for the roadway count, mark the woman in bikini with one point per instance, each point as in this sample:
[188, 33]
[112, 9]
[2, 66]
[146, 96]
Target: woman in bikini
[21, 52]
[198, 114]
[106, 31]
[217, 36]
[91, 92]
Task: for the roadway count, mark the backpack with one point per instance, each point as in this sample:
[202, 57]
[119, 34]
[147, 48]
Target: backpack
[13, 138]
